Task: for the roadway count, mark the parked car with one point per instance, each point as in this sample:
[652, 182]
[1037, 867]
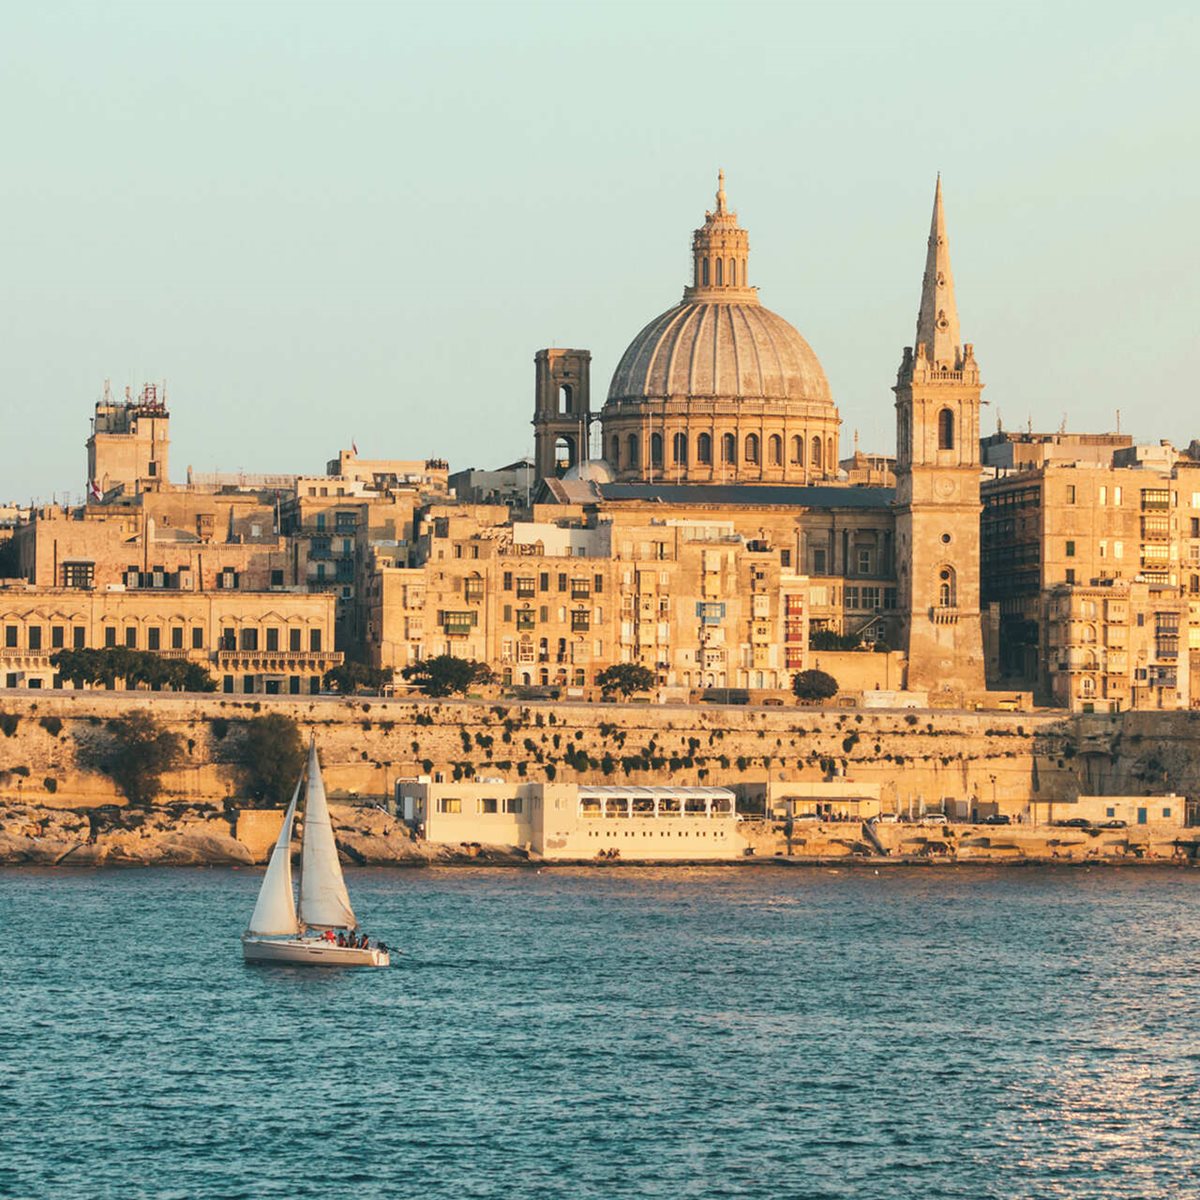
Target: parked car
[935, 819]
[1075, 823]
[997, 819]
[885, 819]
[808, 816]
[1116, 823]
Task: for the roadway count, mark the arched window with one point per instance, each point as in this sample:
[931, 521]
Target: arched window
[564, 454]
[815, 460]
[1087, 634]
[798, 450]
[632, 456]
[704, 449]
[733, 272]
[752, 448]
[728, 448]
[679, 449]
[945, 430]
[564, 398]
[616, 452]
[775, 450]
[656, 449]
[704, 268]
[1087, 686]
[947, 588]
[720, 271]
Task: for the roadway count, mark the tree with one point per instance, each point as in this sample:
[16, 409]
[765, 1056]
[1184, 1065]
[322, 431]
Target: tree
[353, 677]
[829, 639]
[137, 753]
[625, 679]
[133, 667]
[814, 685]
[271, 756]
[446, 675]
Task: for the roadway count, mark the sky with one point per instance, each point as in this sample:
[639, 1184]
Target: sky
[326, 223]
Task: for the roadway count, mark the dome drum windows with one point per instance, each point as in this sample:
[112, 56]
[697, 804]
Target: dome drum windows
[704, 450]
[679, 449]
[797, 450]
[729, 448]
[752, 449]
[656, 450]
[775, 450]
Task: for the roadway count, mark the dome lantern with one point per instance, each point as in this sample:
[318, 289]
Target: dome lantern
[720, 253]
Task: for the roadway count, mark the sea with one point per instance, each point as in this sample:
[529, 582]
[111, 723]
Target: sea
[599, 1032]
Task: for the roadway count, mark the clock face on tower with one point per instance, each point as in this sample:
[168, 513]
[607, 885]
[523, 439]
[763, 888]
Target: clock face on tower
[944, 487]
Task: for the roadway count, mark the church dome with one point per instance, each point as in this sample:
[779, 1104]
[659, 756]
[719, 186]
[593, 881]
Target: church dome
[591, 470]
[706, 348]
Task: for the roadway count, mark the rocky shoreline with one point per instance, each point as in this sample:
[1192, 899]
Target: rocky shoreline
[203, 834]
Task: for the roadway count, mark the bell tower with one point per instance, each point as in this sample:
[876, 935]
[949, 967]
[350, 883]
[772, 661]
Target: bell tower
[562, 411]
[937, 486]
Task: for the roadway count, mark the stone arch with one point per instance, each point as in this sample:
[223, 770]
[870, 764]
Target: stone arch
[947, 586]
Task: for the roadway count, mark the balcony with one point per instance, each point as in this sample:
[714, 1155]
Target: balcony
[944, 615]
[279, 660]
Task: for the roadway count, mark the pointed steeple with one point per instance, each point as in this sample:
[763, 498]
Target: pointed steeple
[721, 206]
[937, 321]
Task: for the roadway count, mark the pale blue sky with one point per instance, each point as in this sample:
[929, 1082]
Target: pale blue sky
[330, 221]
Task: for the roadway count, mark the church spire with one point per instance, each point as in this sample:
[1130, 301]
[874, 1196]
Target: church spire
[721, 206]
[937, 322]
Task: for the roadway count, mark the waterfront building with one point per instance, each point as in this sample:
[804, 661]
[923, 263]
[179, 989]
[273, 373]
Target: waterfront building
[574, 821]
[251, 642]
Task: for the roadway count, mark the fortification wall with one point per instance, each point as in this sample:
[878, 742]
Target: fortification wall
[367, 744]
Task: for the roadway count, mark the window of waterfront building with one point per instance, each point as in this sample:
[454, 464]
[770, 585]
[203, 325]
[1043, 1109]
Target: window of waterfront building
[177, 637]
[1070, 575]
[78, 637]
[294, 636]
[1117, 495]
[249, 639]
[78, 574]
[704, 449]
[277, 578]
[57, 634]
[1070, 549]
[228, 639]
[850, 597]
[870, 598]
[449, 804]
[35, 637]
[197, 638]
[526, 587]
[10, 636]
[272, 639]
[946, 588]
[131, 637]
[864, 562]
[488, 805]
[1070, 493]
[818, 560]
[1118, 550]
[1103, 494]
[785, 558]
[153, 638]
[314, 641]
[512, 804]
[945, 430]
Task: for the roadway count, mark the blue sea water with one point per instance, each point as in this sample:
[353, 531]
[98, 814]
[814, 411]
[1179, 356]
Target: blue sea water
[754, 1032]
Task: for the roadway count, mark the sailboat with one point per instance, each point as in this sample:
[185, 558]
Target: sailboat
[278, 933]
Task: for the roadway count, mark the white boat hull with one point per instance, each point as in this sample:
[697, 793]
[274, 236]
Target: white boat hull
[311, 952]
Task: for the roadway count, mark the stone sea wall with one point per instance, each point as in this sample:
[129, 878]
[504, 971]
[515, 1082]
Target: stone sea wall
[366, 744]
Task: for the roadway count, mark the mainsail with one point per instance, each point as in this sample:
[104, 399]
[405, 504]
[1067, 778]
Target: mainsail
[324, 903]
[275, 912]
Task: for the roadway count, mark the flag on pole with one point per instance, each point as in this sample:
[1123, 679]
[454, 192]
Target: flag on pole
[354, 447]
[94, 492]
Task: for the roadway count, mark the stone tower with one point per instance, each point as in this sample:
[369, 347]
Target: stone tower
[937, 487]
[562, 410]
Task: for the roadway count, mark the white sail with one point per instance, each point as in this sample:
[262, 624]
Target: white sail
[324, 903]
[275, 912]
